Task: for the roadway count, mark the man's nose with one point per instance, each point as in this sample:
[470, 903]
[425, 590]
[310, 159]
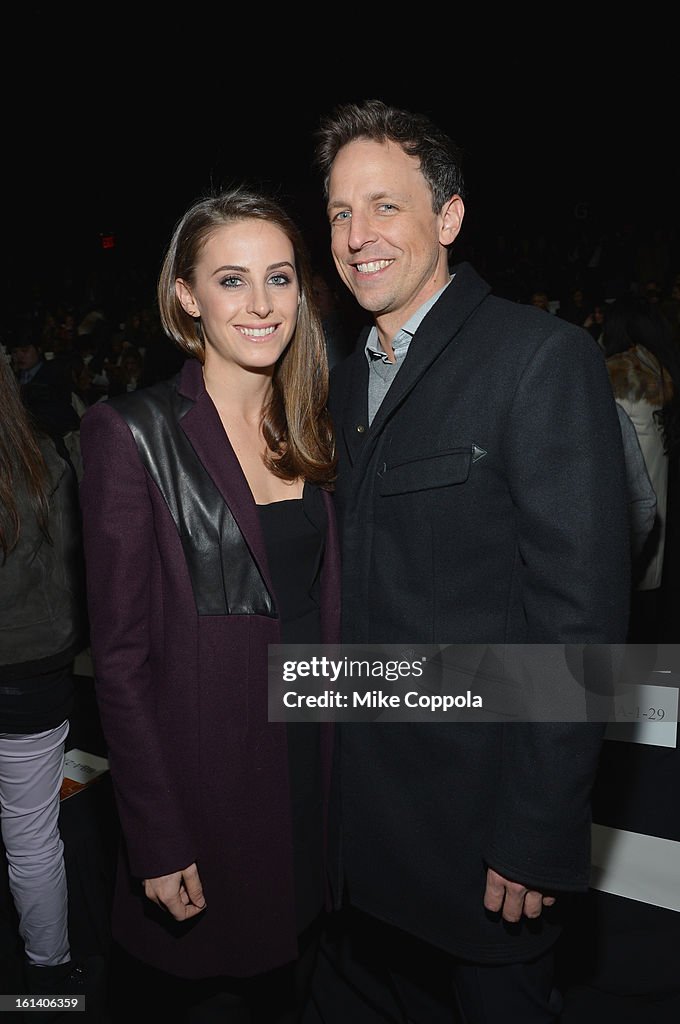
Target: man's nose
[361, 231]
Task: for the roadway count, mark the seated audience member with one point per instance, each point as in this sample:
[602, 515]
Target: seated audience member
[574, 307]
[44, 385]
[594, 322]
[540, 298]
[128, 375]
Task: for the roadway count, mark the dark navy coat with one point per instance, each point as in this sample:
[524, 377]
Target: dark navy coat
[485, 504]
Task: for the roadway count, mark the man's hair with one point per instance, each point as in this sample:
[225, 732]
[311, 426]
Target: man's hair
[440, 158]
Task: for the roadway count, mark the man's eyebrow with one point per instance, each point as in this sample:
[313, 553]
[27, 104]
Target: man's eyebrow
[372, 197]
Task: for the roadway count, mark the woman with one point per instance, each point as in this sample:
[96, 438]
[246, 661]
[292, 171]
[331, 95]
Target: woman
[209, 534]
[42, 628]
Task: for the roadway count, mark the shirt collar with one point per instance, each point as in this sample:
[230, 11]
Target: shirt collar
[26, 376]
[402, 339]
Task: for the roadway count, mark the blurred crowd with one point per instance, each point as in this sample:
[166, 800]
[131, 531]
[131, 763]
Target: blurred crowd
[96, 320]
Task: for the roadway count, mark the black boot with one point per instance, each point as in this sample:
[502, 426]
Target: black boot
[83, 978]
[41, 980]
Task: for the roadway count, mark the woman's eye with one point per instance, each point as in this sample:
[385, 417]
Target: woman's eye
[279, 279]
[231, 282]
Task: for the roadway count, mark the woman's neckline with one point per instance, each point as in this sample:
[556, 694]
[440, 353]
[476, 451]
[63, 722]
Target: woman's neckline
[279, 501]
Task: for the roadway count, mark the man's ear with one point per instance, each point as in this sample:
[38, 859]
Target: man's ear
[451, 219]
[186, 297]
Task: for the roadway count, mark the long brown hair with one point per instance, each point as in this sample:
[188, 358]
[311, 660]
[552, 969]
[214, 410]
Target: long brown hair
[22, 466]
[296, 424]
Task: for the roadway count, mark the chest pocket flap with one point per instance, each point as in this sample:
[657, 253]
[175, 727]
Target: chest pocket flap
[418, 474]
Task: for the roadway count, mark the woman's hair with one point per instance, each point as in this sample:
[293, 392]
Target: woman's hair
[296, 424]
[439, 156]
[22, 466]
[635, 321]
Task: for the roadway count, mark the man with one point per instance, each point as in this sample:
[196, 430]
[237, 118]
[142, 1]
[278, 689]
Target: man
[45, 386]
[481, 492]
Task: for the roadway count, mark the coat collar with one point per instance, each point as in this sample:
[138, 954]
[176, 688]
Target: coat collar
[437, 331]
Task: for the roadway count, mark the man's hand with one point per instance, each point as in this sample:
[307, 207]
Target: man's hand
[181, 893]
[513, 898]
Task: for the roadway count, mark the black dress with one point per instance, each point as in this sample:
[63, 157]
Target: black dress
[294, 546]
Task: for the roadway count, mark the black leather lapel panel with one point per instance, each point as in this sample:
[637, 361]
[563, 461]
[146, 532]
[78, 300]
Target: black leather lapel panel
[226, 584]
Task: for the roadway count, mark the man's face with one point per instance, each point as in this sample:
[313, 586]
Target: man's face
[25, 357]
[388, 244]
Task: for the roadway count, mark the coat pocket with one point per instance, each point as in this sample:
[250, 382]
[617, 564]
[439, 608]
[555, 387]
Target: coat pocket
[419, 474]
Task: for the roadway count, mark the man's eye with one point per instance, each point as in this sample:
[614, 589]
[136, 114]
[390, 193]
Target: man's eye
[342, 215]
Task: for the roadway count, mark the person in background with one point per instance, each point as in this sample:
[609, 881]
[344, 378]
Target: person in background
[540, 299]
[43, 625]
[670, 307]
[83, 393]
[641, 495]
[482, 499]
[44, 384]
[644, 369]
[210, 534]
[128, 375]
[574, 306]
[594, 322]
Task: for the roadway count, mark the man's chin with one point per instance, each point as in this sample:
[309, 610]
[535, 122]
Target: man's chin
[369, 299]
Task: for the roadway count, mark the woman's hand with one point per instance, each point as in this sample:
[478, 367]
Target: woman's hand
[180, 893]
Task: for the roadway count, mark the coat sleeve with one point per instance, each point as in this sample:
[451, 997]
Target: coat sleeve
[566, 472]
[567, 476]
[120, 544]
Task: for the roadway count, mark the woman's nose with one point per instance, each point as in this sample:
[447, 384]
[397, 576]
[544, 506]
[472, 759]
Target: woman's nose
[260, 302]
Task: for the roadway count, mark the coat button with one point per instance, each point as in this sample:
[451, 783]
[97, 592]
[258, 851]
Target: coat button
[360, 428]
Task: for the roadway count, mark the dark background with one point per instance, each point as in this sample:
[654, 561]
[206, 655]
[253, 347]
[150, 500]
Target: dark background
[112, 129]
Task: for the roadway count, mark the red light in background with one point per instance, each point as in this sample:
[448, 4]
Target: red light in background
[108, 241]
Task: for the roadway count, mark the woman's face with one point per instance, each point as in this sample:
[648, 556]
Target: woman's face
[246, 293]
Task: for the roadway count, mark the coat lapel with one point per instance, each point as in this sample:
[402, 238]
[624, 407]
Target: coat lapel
[203, 428]
[354, 419]
[436, 332]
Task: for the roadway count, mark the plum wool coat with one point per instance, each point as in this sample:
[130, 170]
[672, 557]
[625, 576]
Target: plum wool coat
[182, 612]
[485, 504]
